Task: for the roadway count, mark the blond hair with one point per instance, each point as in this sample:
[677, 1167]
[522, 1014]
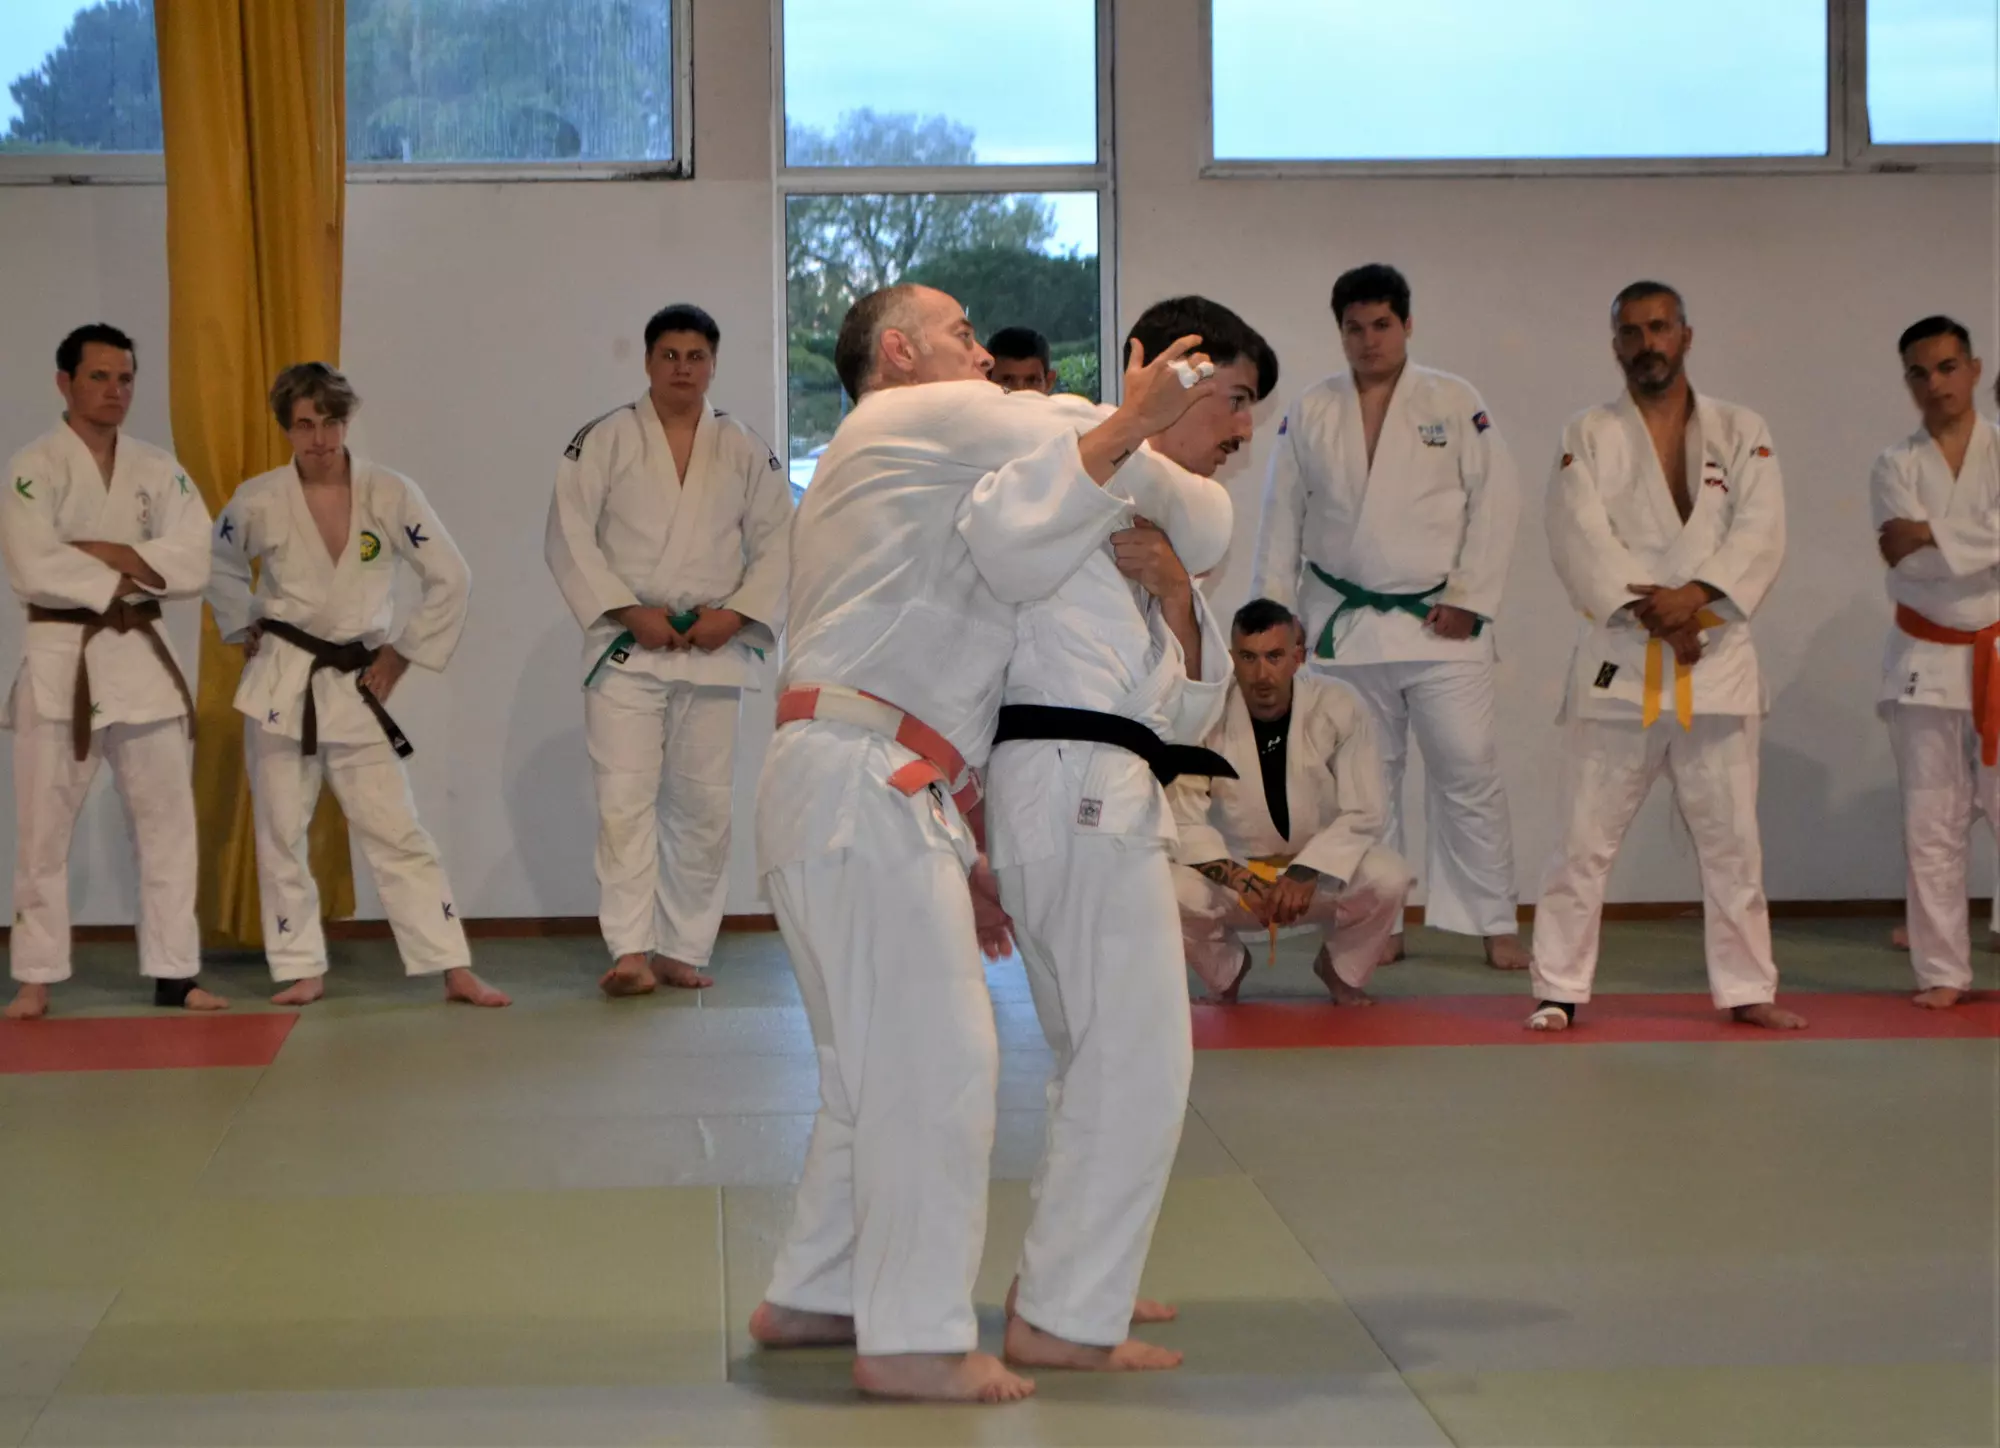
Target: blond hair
[317, 383]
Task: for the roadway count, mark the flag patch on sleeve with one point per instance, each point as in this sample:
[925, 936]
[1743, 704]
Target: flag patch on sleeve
[1762, 452]
[1480, 421]
[1568, 458]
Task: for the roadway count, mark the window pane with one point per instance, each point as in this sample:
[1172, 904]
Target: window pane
[1357, 80]
[1013, 260]
[1011, 84]
[510, 80]
[81, 76]
[1933, 72]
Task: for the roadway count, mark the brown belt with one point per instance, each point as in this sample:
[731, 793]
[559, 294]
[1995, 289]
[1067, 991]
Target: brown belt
[121, 617]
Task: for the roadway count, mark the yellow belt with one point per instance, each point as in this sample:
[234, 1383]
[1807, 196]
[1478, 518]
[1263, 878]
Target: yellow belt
[1267, 869]
[1656, 669]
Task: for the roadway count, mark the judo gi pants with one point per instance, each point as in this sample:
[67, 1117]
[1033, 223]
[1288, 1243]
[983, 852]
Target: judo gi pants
[1943, 782]
[1098, 932]
[1355, 920]
[890, 1216]
[1468, 837]
[150, 768]
[1609, 768]
[374, 793]
[662, 756]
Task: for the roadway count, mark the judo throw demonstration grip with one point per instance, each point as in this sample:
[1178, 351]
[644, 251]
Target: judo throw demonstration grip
[1191, 373]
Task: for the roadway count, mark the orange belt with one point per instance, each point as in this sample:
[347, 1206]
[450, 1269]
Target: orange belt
[1985, 677]
[936, 762]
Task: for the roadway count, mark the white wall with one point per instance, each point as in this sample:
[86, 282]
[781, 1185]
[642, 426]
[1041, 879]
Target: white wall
[1798, 287]
[485, 323]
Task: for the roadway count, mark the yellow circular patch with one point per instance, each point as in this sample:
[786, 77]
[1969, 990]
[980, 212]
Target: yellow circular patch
[371, 547]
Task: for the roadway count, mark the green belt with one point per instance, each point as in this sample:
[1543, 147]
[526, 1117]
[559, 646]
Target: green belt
[681, 622]
[1353, 596]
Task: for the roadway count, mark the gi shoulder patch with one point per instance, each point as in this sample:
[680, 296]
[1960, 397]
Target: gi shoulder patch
[1762, 452]
[1481, 422]
[575, 448]
[1605, 675]
[1089, 813]
[371, 547]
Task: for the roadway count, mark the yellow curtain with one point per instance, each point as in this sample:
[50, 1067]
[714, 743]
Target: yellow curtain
[253, 96]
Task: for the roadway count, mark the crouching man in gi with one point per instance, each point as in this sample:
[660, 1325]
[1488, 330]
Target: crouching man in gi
[1292, 840]
[327, 531]
[97, 527]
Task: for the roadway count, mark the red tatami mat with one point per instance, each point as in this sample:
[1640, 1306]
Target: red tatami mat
[143, 1043]
[1493, 1020]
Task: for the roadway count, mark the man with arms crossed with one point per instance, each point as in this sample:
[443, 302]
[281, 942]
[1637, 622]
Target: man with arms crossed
[1666, 520]
[97, 527]
[668, 537]
[1292, 839]
[908, 562]
[1935, 501]
[1389, 517]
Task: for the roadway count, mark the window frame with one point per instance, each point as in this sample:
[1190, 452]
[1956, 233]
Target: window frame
[1848, 147]
[1099, 176]
[149, 168]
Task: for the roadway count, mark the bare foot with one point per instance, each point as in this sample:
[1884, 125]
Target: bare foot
[775, 1326]
[1939, 998]
[973, 1377]
[30, 1003]
[1504, 952]
[1029, 1347]
[1393, 951]
[1343, 994]
[1145, 1309]
[461, 985]
[679, 974]
[630, 975]
[204, 1000]
[1770, 1017]
[1900, 937]
[301, 992]
[1227, 995]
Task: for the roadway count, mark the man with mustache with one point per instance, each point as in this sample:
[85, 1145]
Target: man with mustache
[1666, 522]
[1389, 522]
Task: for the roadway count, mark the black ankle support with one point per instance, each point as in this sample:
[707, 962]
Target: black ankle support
[174, 993]
[1568, 1010]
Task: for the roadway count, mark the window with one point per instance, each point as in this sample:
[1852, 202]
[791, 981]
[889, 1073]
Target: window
[971, 163]
[1531, 80]
[484, 82]
[994, 84]
[1933, 72]
[80, 77]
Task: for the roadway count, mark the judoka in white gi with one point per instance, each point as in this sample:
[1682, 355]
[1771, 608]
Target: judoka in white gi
[936, 509]
[668, 536]
[1935, 502]
[1081, 832]
[1294, 838]
[1389, 522]
[96, 528]
[1666, 523]
[328, 531]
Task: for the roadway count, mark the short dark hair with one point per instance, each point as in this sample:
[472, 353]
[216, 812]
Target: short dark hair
[1019, 344]
[861, 333]
[1375, 282]
[1929, 327]
[682, 317]
[1639, 291]
[317, 383]
[1225, 337]
[1261, 614]
[69, 353]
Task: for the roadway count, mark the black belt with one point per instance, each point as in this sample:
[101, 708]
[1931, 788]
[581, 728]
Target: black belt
[347, 658]
[1167, 761]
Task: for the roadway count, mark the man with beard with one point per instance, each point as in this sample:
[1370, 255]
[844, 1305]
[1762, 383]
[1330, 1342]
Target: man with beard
[1666, 522]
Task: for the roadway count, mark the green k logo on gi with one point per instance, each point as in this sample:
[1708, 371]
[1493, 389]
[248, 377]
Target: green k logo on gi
[182, 479]
[25, 487]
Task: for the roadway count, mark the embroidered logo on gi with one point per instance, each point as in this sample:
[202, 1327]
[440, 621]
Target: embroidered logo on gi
[1762, 452]
[1090, 812]
[182, 479]
[1283, 424]
[371, 547]
[1481, 421]
[447, 911]
[25, 487]
[1432, 433]
[1605, 675]
[1715, 481]
[227, 531]
[284, 926]
[271, 717]
[1568, 458]
[619, 656]
[1910, 689]
[415, 531]
[145, 515]
[774, 462]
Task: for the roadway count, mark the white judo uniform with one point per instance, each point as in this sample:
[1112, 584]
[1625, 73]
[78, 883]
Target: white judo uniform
[1334, 796]
[625, 528]
[138, 717]
[934, 512]
[1430, 521]
[1632, 711]
[343, 600]
[1080, 834]
[1936, 718]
